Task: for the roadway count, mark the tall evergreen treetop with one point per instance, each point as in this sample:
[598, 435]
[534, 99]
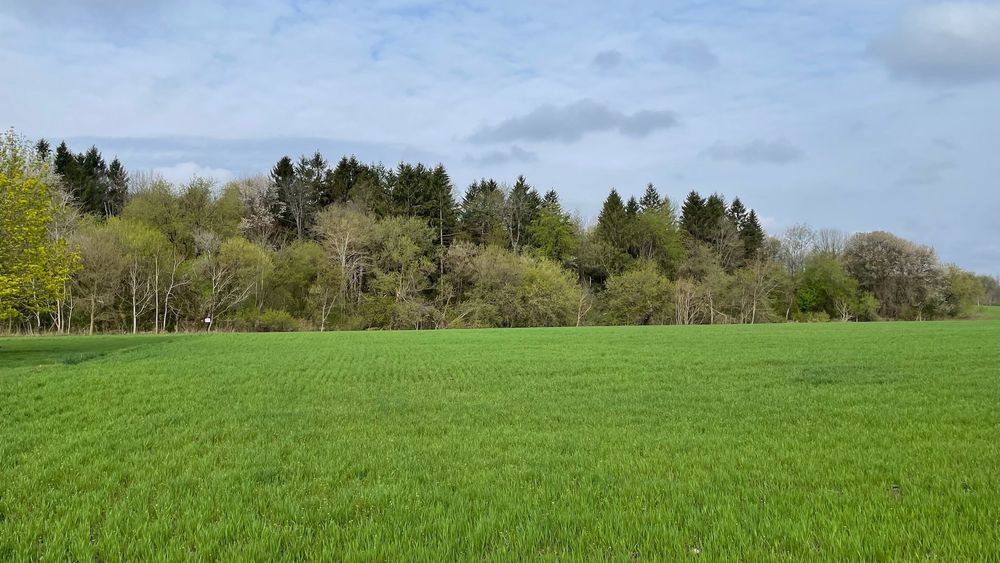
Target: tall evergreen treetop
[715, 211]
[550, 198]
[738, 213]
[42, 149]
[651, 199]
[117, 187]
[752, 235]
[612, 223]
[632, 207]
[693, 218]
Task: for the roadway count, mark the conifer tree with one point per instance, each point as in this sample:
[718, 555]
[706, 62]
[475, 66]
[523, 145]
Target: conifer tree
[92, 182]
[738, 213]
[344, 177]
[632, 207]
[651, 199]
[715, 213]
[482, 210]
[117, 188]
[42, 149]
[612, 223]
[519, 211]
[283, 178]
[440, 210]
[752, 235]
[693, 215]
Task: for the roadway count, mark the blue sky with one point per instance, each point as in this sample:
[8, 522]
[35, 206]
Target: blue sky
[853, 114]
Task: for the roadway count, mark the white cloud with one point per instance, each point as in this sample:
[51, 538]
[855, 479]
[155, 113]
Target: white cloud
[944, 44]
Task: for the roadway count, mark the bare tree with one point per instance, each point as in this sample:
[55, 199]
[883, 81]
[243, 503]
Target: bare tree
[831, 241]
[344, 230]
[797, 243]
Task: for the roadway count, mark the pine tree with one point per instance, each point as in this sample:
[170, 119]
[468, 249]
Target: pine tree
[550, 198]
[92, 182]
[441, 210]
[302, 194]
[632, 207]
[519, 211]
[752, 235]
[738, 213]
[42, 149]
[651, 199]
[482, 210]
[344, 177]
[693, 216]
[612, 223]
[65, 163]
[715, 212]
[117, 188]
[283, 178]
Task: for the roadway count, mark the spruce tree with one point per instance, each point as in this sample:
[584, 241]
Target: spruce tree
[520, 209]
[550, 198]
[693, 215]
[65, 163]
[752, 235]
[715, 212]
[117, 187]
[632, 207]
[440, 210]
[283, 179]
[612, 223]
[92, 182]
[482, 210]
[738, 213]
[344, 177]
[651, 199]
[42, 149]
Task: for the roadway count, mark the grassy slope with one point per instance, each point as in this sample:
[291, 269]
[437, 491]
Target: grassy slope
[783, 441]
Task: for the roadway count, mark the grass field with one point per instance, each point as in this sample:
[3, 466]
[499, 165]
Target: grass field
[860, 441]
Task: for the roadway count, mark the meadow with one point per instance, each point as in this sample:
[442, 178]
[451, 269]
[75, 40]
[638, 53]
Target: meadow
[784, 442]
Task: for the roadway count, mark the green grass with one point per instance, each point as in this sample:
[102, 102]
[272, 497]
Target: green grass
[834, 441]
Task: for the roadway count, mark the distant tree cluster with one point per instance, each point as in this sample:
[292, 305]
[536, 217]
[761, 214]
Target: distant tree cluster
[87, 247]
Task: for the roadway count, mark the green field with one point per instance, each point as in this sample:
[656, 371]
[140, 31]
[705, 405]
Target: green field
[860, 441]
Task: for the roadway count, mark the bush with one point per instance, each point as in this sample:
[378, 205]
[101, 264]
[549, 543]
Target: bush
[276, 320]
[815, 317]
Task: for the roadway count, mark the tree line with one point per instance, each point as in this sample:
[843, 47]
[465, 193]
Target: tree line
[87, 247]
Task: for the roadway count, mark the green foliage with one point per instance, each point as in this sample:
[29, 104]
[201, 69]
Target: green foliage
[825, 286]
[641, 296]
[553, 233]
[362, 246]
[34, 268]
[964, 292]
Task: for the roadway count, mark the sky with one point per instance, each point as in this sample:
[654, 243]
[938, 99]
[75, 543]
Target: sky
[856, 115]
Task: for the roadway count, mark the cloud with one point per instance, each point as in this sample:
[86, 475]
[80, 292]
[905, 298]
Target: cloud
[692, 54]
[184, 171]
[924, 173]
[571, 122]
[608, 60]
[757, 151]
[945, 144]
[949, 43]
[494, 158]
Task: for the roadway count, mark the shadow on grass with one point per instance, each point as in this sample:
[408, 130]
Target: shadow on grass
[67, 350]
